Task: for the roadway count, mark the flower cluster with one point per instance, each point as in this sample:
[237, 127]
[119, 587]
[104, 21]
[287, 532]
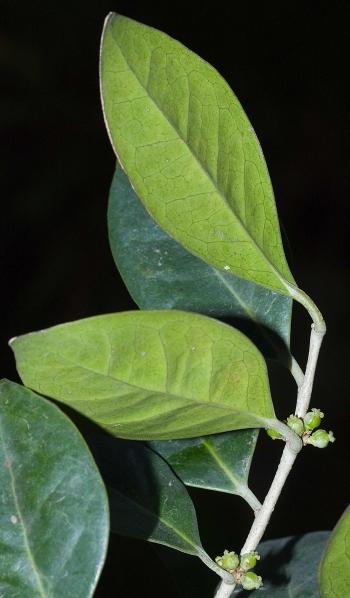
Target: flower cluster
[305, 428]
[240, 567]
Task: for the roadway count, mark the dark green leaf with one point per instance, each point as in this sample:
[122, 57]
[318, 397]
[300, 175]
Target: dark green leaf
[150, 375]
[54, 511]
[190, 152]
[335, 564]
[146, 499]
[161, 274]
[219, 462]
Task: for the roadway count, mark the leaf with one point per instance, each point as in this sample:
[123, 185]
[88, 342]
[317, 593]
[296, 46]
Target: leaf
[190, 152]
[54, 512]
[289, 566]
[160, 274]
[150, 375]
[219, 462]
[335, 565]
[146, 499]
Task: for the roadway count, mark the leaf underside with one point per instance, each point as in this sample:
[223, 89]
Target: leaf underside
[53, 544]
[161, 274]
[190, 152]
[150, 375]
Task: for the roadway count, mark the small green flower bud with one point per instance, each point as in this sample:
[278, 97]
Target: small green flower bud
[228, 561]
[313, 419]
[251, 581]
[296, 424]
[321, 438]
[248, 561]
[274, 434]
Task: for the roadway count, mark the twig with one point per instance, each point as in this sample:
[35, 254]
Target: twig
[293, 443]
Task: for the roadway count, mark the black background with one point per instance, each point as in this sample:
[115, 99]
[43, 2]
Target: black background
[288, 64]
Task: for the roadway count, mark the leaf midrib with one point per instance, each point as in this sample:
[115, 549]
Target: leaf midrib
[231, 410]
[200, 164]
[237, 483]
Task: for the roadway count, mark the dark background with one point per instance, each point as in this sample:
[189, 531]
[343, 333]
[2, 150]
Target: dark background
[288, 64]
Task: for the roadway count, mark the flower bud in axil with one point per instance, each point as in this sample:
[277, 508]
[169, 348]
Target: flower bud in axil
[320, 438]
[313, 419]
[248, 560]
[296, 424]
[251, 581]
[274, 434]
[228, 561]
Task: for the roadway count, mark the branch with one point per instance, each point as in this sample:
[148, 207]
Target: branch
[293, 442]
[227, 578]
[224, 590]
[305, 390]
[263, 517]
[251, 499]
[296, 371]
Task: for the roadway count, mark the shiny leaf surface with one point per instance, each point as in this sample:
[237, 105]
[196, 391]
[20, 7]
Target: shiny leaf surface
[54, 513]
[218, 462]
[147, 500]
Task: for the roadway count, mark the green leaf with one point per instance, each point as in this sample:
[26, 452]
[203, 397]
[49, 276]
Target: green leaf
[219, 462]
[335, 565]
[190, 152]
[147, 500]
[54, 512]
[150, 375]
[289, 566]
[160, 274]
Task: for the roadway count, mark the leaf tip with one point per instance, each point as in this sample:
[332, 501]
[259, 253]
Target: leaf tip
[108, 18]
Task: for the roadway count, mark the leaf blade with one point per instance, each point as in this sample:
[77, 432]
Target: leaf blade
[150, 375]
[147, 500]
[218, 462]
[45, 529]
[218, 203]
[334, 571]
[161, 274]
